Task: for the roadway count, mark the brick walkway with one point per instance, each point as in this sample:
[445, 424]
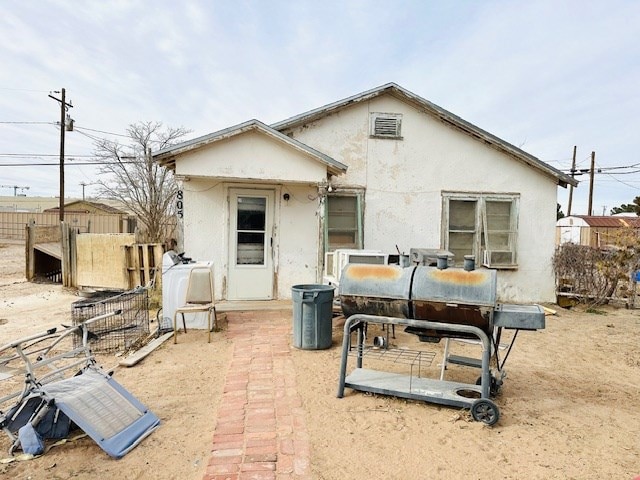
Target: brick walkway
[260, 432]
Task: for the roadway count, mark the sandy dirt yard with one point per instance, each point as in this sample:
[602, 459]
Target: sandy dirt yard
[570, 404]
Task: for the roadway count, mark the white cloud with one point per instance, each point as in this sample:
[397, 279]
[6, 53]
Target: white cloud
[544, 74]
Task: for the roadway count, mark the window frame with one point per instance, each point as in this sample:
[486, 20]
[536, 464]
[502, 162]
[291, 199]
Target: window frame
[359, 214]
[481, 232]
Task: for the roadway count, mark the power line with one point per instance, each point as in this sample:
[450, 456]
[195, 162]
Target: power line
[623, 183]
[24, 90]
[92, 137]
[57, 163]
[29, 123]
[102, 131]
[36, 155]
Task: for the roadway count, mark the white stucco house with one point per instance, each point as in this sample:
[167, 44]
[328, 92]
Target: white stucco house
[380, 169]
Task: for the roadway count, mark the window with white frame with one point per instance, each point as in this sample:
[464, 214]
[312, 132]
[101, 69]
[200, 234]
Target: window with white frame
[386, 125]
[343, 222]
[481, 224]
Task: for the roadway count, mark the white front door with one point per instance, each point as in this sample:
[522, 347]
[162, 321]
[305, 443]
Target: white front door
[250, 244]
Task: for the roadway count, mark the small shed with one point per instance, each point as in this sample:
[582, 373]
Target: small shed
[593, 231]
[85, 206]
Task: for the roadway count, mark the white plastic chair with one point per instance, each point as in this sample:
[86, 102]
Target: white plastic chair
[199, 298]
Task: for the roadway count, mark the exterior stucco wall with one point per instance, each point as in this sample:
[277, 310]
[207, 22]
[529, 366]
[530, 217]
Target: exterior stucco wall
[204, 223]
[252, 156]
[296, 238]
[405, 179]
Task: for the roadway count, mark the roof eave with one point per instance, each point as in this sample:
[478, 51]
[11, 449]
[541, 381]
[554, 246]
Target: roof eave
[167, 156]
[443, 115]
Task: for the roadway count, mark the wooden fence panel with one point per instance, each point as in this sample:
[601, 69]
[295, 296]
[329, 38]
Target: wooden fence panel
[12, 224]
[101, 260]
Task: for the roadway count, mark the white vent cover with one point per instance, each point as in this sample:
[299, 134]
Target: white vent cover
[386, 125]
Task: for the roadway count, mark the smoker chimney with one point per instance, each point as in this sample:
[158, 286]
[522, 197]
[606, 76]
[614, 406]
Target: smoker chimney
[442, 262]
[469, 263]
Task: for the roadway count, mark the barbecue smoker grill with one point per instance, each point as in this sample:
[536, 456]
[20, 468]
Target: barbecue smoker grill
[432, 303]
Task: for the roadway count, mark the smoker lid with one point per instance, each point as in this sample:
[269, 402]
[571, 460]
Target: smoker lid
[454, 285]
[379, 281]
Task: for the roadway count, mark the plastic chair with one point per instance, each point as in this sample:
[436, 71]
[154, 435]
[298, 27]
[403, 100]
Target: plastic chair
[199, 298]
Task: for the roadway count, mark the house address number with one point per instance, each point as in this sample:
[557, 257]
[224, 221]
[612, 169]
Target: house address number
[179, 203]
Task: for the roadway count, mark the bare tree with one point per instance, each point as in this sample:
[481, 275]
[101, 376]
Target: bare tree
[129, 175]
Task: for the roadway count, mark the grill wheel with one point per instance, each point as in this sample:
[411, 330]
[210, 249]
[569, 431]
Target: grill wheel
[485, 411]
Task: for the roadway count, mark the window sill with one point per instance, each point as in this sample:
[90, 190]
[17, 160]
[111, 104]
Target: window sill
[386, 137]
[500, 267]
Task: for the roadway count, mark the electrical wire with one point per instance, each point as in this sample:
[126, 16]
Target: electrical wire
[623, 183]
[37, 155]
[73, 164]
[100, 131]
[29, 123]
[25, 90]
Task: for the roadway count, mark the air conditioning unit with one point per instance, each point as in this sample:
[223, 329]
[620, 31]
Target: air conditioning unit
[334, 262]
[329, 265]
[429, 256]
[492, 258]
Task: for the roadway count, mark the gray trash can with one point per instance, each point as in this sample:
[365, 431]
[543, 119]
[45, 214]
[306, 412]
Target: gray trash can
[312, 316]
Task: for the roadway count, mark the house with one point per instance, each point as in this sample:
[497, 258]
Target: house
[86, 206]
[385, 170]
[593, 231]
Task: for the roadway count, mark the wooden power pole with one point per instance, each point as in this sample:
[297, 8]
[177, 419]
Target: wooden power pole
[573, 172]
[63, 126]
[591, 175]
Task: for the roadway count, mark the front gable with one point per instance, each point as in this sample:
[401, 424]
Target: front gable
[249, 152]
[251, 156]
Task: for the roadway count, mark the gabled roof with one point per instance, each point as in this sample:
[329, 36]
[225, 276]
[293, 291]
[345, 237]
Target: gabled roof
[167, 156]
[610, 222]
[436, 111]
[81, 205]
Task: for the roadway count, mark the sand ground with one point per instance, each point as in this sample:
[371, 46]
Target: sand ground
[570, 404]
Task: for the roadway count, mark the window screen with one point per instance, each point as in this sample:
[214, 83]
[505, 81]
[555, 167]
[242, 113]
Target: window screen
[343, 222]
[483, 225]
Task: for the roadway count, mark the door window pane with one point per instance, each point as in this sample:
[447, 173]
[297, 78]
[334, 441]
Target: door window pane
[251, 213]
[251, 235]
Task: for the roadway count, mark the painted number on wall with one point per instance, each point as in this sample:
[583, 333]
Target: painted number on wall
[179, 203]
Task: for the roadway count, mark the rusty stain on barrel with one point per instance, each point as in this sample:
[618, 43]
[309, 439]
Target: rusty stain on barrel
[357, 271]
[458, 277]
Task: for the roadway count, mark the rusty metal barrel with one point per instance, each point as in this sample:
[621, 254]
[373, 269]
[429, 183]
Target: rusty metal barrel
[449, 295]
[382, 290]
[454, 295]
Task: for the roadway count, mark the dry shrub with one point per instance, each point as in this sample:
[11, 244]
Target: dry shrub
[596, 275]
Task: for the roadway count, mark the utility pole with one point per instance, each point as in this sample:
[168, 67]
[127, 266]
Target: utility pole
[63, 126]
[573, 172]
[591, 175]
[84, 184]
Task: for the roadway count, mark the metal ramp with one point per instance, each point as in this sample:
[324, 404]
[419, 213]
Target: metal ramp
[53, 249]
[104, 410]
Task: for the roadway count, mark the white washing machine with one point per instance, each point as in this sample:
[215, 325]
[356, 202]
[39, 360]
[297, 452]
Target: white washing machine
[175, 279]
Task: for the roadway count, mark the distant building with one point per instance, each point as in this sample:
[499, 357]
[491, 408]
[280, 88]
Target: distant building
[19, 203]
[593, 231]
[85, 206]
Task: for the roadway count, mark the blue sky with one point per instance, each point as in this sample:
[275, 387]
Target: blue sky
[543, 75]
